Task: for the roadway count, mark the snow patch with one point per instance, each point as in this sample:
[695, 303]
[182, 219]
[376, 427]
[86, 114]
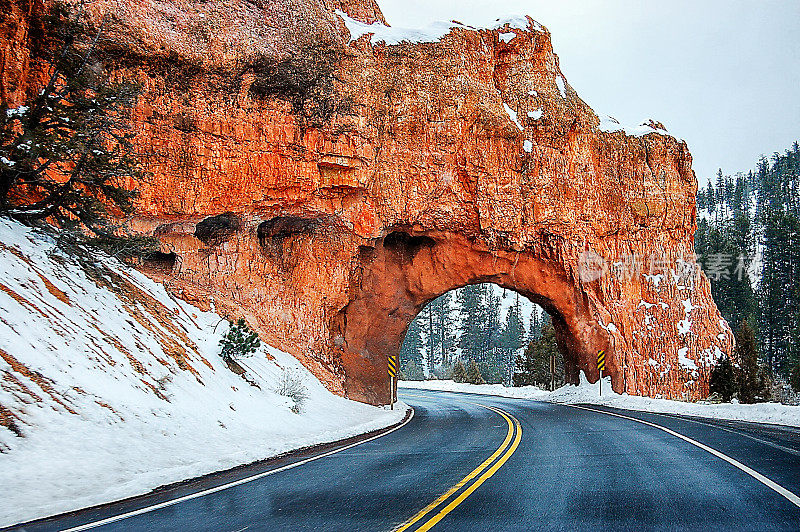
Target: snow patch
[17, 111]
[536, 114]
[685, 361]
[609, 124]
[514, 21]
[512, 114]
[610, 327]
[521, 392]
[561, 87]
[392, 35]
[527, 146]
[506, 37]
[655, 279]
[684, 327]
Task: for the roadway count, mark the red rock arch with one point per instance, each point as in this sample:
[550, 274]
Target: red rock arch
[406, 270]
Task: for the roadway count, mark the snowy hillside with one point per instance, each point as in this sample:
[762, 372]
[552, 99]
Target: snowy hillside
[109, 387]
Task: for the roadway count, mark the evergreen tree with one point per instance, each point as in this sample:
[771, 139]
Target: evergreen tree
[535, 325]
[239, 341]
[459, 372]
[428, 333]
[794, 378]
[469, 301]
[66, 152]
[441, 330]
[724, 247]
[753, 382]
[491, 374]
[411, 371]
[533, 366]
[723, 381]
[413, 345]
[480, 308]
[736, 229]
[510, 340]
[492, 349]
[780, 305]
[473, 374]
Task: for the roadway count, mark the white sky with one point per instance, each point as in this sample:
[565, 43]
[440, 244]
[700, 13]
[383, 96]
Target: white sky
[722, 74]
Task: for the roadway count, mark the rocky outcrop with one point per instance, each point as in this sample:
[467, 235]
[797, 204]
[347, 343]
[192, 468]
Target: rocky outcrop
[327, 189]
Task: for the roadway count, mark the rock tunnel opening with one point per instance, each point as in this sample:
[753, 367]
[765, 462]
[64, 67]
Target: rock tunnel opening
[406, 271]
[483, 333]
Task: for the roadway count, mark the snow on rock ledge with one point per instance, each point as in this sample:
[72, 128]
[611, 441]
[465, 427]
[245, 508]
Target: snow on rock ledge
[101, 367]
[434, 31]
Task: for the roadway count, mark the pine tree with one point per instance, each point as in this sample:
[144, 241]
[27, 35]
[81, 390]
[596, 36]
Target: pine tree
[722, 380]
[774, 230]
[65, 153]
[413, 347]
[794, 378]
[411, 371]
[533, 366]
[459, 372]
[779, 302]
[535, 325]
[473, 374]
[510, 340]
[491, 352]
[753, 381]
[239, 341]
[449, 331]
[470, 303]
[428, 334]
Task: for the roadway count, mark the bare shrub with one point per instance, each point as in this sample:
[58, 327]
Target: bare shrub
[291, 385]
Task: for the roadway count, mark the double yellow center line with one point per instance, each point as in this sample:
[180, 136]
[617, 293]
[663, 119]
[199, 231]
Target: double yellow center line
[464, 488]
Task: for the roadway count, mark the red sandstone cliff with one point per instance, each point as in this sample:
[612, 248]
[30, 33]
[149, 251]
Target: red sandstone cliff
[398, 177]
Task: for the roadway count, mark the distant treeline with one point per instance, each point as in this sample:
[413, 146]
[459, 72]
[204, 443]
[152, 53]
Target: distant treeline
[748, 242]
[469, 324]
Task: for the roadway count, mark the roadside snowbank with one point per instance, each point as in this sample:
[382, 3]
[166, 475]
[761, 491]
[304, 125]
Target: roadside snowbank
[109, 387]
[522, 392]
[587, 393]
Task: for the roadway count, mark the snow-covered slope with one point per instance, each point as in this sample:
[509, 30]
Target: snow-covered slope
[586, 393]
[109, 387]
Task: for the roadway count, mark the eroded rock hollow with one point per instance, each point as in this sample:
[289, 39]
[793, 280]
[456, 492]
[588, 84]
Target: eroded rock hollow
[326, 185]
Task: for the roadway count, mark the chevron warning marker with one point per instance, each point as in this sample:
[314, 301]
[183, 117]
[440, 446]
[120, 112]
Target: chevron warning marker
[601, 360]
[392, 365]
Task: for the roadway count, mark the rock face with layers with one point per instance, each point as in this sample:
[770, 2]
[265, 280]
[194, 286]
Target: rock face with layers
[326, 185]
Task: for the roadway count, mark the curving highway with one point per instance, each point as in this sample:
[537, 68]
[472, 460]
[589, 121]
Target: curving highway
[472, 462]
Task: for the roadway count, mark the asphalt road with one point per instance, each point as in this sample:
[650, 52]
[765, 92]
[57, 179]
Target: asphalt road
[470, 462]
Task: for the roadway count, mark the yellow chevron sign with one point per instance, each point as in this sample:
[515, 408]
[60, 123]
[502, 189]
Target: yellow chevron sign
[601, 360]
[392, 364]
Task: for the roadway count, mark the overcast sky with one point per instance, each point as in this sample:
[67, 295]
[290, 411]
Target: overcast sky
[723, 75]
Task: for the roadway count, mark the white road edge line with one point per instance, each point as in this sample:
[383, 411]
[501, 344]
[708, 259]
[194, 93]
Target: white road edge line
[791, 497]
[732, 431]
[209, 491]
